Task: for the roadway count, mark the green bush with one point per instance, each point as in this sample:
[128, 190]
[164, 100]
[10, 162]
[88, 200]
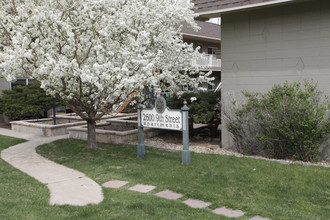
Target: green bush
[287, 122]
[202, 110]
[24, 102]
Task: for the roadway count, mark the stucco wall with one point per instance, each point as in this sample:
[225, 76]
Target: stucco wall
[266, 46]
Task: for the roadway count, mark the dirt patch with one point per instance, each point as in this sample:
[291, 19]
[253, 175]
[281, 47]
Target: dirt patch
[197, 143]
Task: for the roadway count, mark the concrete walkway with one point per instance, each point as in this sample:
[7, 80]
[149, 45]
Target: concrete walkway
[67, 186]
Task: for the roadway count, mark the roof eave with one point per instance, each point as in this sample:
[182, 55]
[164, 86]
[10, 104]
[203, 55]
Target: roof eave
[217, 13]
[201, 37]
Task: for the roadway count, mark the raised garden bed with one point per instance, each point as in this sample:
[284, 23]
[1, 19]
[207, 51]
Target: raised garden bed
[77, 117]
[46, 127]
[114, 131]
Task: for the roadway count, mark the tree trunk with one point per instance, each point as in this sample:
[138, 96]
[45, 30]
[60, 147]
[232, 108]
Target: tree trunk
[91, 137]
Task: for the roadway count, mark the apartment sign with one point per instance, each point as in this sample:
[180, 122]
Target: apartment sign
[164, 118]
[171, 120]
[161, 117]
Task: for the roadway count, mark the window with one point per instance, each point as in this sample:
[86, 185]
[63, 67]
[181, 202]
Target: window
[187, 88]
[214, 51]
[211, 50]
[21, 82]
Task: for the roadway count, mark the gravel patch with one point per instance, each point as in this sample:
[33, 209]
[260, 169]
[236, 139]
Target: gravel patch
[197, 144]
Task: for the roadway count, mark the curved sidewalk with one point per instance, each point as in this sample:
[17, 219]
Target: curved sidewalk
[67, 186]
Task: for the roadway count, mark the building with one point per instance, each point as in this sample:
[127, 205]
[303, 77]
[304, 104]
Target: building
[267, 42]
[208, 39]
[5, 85]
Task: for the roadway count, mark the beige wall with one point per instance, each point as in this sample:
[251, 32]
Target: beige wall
[262, 47]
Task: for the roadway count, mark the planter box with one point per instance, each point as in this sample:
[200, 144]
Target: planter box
[45, 127]
[74, 116]
[114, 131]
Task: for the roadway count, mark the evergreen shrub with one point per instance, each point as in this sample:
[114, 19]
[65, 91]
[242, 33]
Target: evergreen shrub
[202, 109]
[25, 102]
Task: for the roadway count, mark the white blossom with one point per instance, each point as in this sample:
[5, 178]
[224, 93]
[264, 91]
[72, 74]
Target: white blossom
[89, 50]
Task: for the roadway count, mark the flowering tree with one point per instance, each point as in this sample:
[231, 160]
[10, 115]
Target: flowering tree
[94, 54]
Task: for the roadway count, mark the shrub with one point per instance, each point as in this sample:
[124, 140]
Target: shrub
[23, 102]
[287, 122]
[201, 109]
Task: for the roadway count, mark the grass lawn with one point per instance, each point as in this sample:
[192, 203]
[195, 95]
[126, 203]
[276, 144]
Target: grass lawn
[256, 187]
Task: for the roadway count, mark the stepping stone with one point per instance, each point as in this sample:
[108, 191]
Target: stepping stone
[167, 194]
[114, 184]
[142, 188]
[194, 203]
[259, 218]
[228, 212]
